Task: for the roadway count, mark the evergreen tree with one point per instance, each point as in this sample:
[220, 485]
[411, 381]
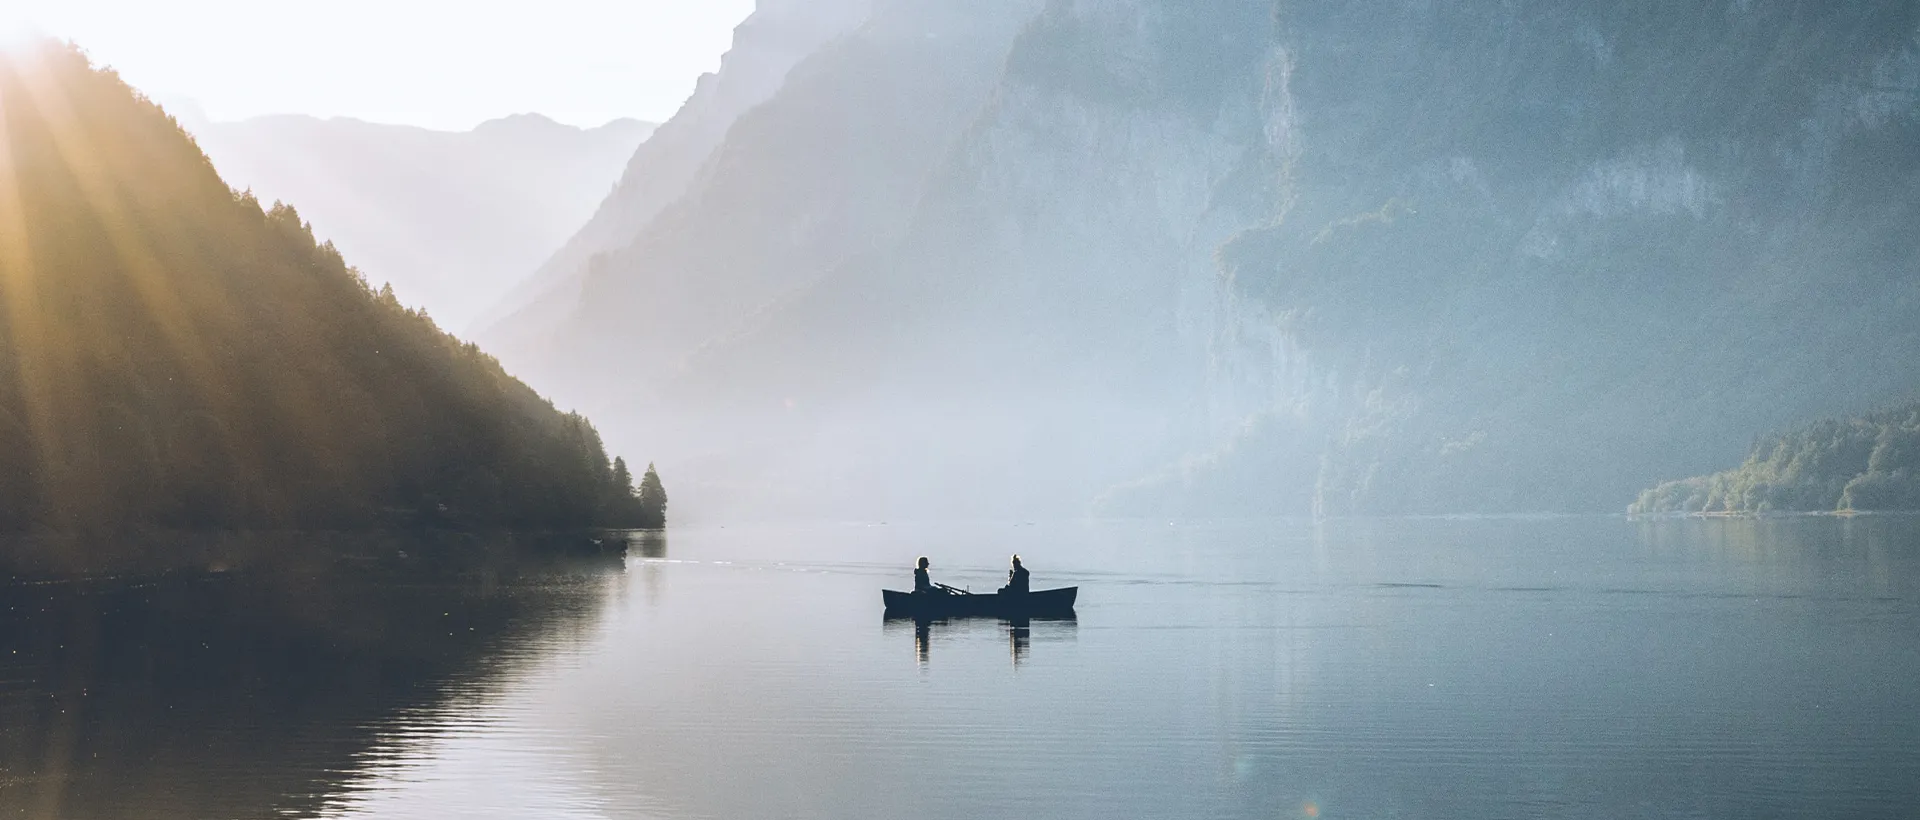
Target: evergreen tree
[622, 478]
[622, 505]
[653, 499]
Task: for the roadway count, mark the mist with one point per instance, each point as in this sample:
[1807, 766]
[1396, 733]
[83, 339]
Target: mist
[1242, 409]
[453, 220]
[1138, 258]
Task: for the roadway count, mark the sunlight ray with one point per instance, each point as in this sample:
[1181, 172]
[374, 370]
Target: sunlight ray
[146, 272]
[24, 330]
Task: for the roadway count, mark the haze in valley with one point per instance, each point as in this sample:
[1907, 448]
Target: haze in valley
[1277, 408]
[453, 220]
[1012, 257]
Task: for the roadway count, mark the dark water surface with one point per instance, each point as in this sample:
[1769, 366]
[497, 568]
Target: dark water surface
[1409, 668]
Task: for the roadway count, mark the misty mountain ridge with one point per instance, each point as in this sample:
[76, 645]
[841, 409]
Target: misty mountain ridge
[767, 45]
[1243, 257]
[451, 219]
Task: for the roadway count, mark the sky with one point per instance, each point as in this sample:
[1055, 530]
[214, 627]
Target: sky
[445, 64]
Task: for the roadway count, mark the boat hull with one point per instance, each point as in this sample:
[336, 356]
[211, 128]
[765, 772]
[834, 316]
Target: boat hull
[1039, 603]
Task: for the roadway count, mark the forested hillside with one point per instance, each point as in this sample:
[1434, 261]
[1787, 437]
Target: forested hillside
[176, 355]
[452, 220]
[1870, 462]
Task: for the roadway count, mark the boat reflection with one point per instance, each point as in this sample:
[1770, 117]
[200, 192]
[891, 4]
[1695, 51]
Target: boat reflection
[1019, 639]
[1018, 633]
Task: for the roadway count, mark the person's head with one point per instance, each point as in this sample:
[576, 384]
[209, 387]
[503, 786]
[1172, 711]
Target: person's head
[1016, 560]
[922, 563]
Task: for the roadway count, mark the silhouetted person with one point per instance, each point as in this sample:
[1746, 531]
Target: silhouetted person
[1016, 578]
[922, 582]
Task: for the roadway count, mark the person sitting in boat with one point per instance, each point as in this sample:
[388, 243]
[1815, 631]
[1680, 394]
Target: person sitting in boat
[922, 582]
[1016, 578]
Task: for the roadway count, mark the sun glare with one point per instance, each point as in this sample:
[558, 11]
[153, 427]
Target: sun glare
[15, 27]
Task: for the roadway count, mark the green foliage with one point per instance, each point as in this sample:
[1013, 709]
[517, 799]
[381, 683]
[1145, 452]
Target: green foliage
[1866, 463]
[176, 355]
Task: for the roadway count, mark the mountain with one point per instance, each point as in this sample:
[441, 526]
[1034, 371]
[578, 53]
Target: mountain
[779, 34]
[829, 166]
[1254, 257]
[451, 220]
[1551, 252]
[177, 356]
[1869, 462]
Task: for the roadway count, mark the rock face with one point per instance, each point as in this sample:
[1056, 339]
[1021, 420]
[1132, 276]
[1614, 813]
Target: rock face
[1549, 251]
[452, 220]
[1242, 256]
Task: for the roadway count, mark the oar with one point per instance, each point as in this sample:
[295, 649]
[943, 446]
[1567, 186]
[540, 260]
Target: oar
[951, 589]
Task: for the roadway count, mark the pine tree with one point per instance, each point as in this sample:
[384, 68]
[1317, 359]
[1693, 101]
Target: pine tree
[653, 499]
[622, 506]
[622, 477]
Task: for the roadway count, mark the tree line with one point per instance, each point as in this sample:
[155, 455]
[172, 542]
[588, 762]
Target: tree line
[173, 353]
[1870, 462]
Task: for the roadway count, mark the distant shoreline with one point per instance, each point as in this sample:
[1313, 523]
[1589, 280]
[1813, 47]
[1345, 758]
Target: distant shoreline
[1703, 514]
[44, 556]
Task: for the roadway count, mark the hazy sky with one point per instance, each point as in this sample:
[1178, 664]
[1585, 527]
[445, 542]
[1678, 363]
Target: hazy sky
[437, 63]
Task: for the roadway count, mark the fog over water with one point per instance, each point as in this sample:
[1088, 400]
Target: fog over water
[1586, 667]
[1318, 348]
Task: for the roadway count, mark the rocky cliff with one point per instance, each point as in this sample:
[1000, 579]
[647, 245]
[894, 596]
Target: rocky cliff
[1243, 256]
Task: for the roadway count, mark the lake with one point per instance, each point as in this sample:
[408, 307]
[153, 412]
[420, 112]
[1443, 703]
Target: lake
[1417, 668]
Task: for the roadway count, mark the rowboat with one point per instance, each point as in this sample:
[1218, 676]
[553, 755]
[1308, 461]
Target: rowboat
[1039, 603]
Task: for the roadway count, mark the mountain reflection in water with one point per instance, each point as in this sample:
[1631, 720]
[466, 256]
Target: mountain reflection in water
[1569, 668]
[264, 684]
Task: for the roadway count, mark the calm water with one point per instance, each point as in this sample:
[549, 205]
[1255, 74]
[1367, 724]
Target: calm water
[1423, 669]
